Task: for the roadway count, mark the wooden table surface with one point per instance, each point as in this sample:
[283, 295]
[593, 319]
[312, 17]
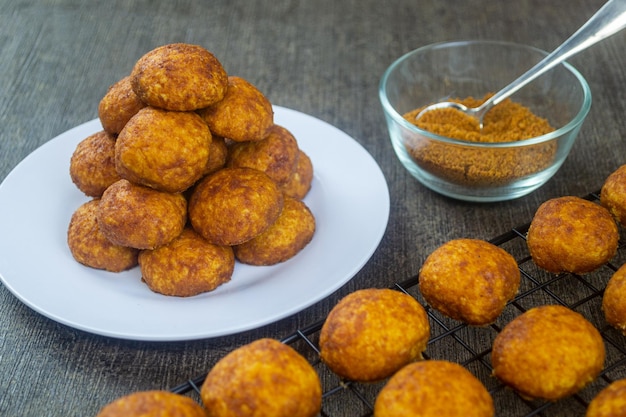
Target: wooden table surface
[323, 58]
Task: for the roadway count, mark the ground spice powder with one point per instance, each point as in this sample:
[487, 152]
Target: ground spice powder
[506, 122]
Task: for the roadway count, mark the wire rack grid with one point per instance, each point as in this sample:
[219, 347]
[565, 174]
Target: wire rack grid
[471, 346]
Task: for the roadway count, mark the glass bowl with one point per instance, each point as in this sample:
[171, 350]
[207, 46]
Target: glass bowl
[478, 171]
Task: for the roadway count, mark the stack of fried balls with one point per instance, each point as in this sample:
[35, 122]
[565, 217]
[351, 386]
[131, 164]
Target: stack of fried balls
[189, 175]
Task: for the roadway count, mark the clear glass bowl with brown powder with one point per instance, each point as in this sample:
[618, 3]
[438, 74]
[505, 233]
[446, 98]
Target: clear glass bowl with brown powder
[524, 140]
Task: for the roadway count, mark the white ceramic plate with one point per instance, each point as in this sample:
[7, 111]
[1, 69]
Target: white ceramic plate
[349, 199]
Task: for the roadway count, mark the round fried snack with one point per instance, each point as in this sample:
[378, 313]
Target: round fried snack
[118, 105]
[152, 404]
[283, 240]
[469, 280]
[276, 154]
[610, 402]
[549, 352]
[372, 333]
[244, 114]
[91, 248]
[186, 266]
[570, 234]
[179, 77]
[265, 378]
[299, 184]
[92, 165]
[140, 217]
[433, 388]
[165, 150]
[613, 194]
[233, 205]
[614, 300]
[218, 151]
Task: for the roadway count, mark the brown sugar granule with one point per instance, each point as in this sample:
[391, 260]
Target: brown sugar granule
[506, 122]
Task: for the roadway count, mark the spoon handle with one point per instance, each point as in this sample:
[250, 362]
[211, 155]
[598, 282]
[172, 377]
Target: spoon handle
[610, 19]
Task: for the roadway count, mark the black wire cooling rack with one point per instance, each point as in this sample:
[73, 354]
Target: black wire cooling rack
[471, 346]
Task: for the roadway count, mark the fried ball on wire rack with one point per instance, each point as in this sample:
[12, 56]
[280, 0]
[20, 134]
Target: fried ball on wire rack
[154, 403]
[549, 352]
[233, 205]
[165, 150]
[283, 240]
[118, 105]
[614, 300]
[89, 245]
[276, 154]
[299, 184]
[186, 266]
[265, 378]
[92, 165]
[140, 217]
[179, 77]
[469, 280]
[244, 114]
[433, 388]
[613, 194]
[571, 234]
[610, 402]
[372, 333]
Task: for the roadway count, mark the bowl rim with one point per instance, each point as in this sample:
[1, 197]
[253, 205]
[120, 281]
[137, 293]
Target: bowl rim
[398, 118]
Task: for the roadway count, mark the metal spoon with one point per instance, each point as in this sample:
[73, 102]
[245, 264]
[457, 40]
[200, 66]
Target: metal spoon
[610, 19]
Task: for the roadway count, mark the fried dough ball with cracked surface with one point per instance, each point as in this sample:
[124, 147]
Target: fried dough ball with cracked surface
[154, 403]
[610, 402]
[613, 194]
[165, 150]
[570, 234]
[469, 280]
[118, 105]
[179, 77]
[244, 114]
[218, 151]
[92, 165]
[614, 300]
[90, 247]
[265, 378]
[372, 333]
[283, 240]
[549, 352]
[276, 154]
[186, 266]
[233, 205]
[140, 217]
[433, 388]
[299, 184]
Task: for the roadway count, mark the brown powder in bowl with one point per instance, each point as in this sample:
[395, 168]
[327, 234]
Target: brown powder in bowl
[506, 122]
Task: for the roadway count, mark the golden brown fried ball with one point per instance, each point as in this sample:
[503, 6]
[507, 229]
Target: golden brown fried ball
[610, 402]
[264, 378]
[218, 151]
[186, 266]
[244, 114]
[153, 404]
[276, 154]
[233, 205]
[570, 234]
[434, 388]
[283, 240]
[140, 217]
[165, 150]
[613, 194]
[372, 333]
[118, 105]
[90, 247]
[469, 280]
[179, 77]
[92, 165]
[299, 184]
[614, 300]
[549, 352]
